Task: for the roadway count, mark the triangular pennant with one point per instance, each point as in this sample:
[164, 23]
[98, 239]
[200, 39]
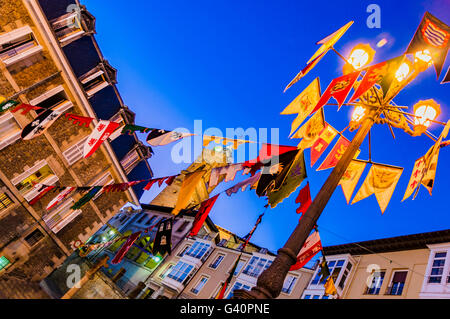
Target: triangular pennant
[351, 177]
[338, 89]
[320, 145]
[202, 213]
[381, 181]
[40, 124]
[310, 131]
[162, 137]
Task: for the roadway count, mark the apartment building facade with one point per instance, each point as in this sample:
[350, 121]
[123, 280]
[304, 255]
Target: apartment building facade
[404, 267]
[49, 58]
[200, 266]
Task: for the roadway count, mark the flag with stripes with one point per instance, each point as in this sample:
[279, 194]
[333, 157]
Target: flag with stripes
[433, 35]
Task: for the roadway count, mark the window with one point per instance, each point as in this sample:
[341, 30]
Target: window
[289, 284]
[4, 262]
[437, 269]
[241, 264]
[166, 272]
[74, 153]
[217, 261]
[180, 271]
[347, 270]
[140, 220]
[199, 285]
[130, 161]
[33, 238]
[316, 297]
[256, 266]
[54, 99]
[377, 281]
[106, 179]
[183, 226]
[222, 242]
[61, 216]
[334, 267]
[198, 250]
[18, 45]
[236, 286]
[325, 297]
[307, 297]
[40, 173]
[9, 130]
[181, 253]
[150, 221]
[397, 284]
[67, 27]
[5, 201]
[94, 82]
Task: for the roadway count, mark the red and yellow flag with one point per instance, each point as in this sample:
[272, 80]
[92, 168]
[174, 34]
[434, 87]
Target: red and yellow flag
[322, 142]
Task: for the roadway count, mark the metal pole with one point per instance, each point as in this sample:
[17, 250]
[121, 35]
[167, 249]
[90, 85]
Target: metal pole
[270, 282]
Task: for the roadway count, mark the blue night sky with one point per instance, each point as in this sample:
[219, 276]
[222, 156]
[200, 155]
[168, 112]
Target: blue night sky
[227, 62]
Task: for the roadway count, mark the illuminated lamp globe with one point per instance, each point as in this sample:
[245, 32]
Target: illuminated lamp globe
[361, 55]
[425, 112]
[358, 113]
[422, 60]
[403, 71]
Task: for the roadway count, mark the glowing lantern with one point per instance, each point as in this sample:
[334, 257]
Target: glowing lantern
[361, 55]
[358, 113]
[425, 112]
[422, 60]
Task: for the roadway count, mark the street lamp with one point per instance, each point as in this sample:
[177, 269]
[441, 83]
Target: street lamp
[372, 109]
[425, 112]
[360, 55]
[422, 60]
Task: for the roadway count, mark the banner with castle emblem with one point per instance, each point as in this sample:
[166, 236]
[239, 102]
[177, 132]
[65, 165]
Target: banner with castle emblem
[338, 89]
[432, 35]
[163, 238]
[381, 181]
[322, 142]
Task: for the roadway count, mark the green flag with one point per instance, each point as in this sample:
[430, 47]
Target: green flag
[286, 184]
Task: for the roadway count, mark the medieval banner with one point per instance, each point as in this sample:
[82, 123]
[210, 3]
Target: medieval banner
[322, 142]
[285, 185]
[381, 181]
[310, 131]
[101, 132]
[351, 177]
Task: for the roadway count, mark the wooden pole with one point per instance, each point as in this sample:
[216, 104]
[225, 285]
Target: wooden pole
[270, 282]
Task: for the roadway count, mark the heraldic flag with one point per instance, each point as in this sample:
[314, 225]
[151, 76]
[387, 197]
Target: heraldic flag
[433, 35]
[311, 247]
[327, 43]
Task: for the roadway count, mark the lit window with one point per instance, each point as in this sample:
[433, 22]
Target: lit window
[61, 216]
[397, 283]
[199, 285]
[33, 238]
[289, 284]
[18, 45]
[5, 201]
[437, 269]
[40, 173]
[217, 261]
[9, 130]
[377, 281]
[74, 153]
[180, 272]
[4, 262]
